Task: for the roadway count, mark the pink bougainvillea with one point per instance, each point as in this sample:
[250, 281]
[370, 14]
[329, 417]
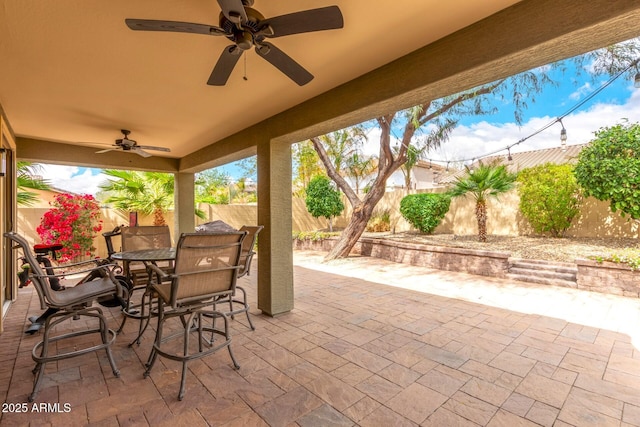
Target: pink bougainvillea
[73, 221]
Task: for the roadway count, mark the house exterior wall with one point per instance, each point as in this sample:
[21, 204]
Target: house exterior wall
[8, 285]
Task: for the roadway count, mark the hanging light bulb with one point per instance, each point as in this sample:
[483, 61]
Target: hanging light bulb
[509, 154]
[563, 136]
[636, 81]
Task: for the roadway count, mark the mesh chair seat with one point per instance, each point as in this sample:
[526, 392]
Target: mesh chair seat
[69, 304]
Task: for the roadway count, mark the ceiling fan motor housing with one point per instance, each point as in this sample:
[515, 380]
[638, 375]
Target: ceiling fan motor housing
[245, 34]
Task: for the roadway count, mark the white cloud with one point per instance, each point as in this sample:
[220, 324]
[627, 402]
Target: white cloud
[481, 139]
[73, 179]
[585, 89]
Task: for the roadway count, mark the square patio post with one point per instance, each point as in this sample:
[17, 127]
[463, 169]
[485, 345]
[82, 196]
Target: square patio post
[275, 251]
[184, 201]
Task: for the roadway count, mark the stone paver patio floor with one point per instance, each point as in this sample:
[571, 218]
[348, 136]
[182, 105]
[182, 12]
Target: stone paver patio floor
[369, 343]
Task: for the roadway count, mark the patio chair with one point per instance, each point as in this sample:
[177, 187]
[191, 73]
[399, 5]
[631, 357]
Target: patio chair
[206, 267]
[69, 304]
[248, 245]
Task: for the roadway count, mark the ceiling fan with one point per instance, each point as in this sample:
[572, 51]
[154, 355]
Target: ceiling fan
[247, 28]
[126, 144]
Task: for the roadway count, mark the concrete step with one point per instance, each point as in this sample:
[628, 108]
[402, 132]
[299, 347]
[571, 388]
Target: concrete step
[543, 272]
[548, 274]
[542, 280]
[538, 265]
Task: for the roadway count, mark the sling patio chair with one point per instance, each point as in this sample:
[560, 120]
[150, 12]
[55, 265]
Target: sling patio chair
[135, 239]
[70, 304]
[206, 268]
[248, 245]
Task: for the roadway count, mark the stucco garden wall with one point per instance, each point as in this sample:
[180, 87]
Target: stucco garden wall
[504, 218]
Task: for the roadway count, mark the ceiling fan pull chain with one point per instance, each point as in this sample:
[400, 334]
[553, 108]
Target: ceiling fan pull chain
[245, 68]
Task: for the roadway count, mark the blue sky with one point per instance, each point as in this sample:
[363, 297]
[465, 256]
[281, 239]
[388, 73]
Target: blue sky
[477, 136]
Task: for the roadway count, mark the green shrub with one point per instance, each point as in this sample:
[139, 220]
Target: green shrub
[550, 197]
[607, 168]
[313, 235]
[628, 256]
[323, 200]
[425, 211]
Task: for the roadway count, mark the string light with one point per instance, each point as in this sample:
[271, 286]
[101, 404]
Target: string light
[563, 132]
[563, 136]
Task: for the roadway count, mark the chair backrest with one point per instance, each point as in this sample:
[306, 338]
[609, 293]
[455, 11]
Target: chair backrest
[108, 239]
[248, 245]
[206, 265]
[45, 293]
[145, 237]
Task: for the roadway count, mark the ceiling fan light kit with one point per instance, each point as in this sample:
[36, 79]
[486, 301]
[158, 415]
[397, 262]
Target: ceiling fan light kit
[247, 28]
[126, 144]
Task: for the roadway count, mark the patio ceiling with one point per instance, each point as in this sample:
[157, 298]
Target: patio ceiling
[72, 71]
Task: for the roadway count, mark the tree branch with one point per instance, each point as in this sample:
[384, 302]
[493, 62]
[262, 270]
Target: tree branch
[354, 200]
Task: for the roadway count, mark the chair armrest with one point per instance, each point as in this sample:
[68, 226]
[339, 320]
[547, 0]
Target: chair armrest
[159, 272]
[105, 267]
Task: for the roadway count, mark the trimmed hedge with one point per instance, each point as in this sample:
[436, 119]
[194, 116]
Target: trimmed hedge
[425, 211]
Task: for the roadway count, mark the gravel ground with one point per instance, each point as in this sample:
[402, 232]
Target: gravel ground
[553, 249]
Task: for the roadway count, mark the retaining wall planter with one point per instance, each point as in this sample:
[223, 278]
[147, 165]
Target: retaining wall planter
[484, 263]
[608, 277]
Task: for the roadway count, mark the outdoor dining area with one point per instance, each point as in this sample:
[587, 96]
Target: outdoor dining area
[369, 343]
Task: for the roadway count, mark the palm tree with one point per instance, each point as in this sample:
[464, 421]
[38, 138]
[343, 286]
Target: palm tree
[144, 192]
[483, 182]
[341, 145]
[29, 179]
[359, 167]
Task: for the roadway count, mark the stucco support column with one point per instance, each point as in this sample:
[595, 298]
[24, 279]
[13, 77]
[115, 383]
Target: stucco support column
[184, 199]
[275, 253]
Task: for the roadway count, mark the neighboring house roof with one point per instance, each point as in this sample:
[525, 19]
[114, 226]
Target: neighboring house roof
[524, 160]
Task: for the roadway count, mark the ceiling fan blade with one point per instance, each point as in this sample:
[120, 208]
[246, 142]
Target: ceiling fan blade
[140, 152]
[173, 26]
[284, 63]
[225, 65]
[105, 151]
[233, 10]
[306, 21]
[151, 147]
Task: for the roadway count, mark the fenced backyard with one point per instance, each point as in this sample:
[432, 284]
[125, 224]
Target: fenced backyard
[504, 219]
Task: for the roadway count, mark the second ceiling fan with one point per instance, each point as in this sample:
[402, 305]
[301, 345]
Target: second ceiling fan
[247, 28]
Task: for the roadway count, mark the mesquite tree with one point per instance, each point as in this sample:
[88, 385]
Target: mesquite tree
[442, 115]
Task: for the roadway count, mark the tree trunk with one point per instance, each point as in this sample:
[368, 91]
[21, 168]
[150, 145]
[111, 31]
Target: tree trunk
[481, 216]
[357, 224]
[351, 233]
[158, 217]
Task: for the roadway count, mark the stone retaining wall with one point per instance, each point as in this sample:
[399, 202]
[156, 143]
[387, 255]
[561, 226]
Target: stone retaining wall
[603, 277]
[608, 277]
[484, 263]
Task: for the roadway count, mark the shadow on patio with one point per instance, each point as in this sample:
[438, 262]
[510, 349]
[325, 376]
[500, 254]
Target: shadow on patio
[369, 343]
